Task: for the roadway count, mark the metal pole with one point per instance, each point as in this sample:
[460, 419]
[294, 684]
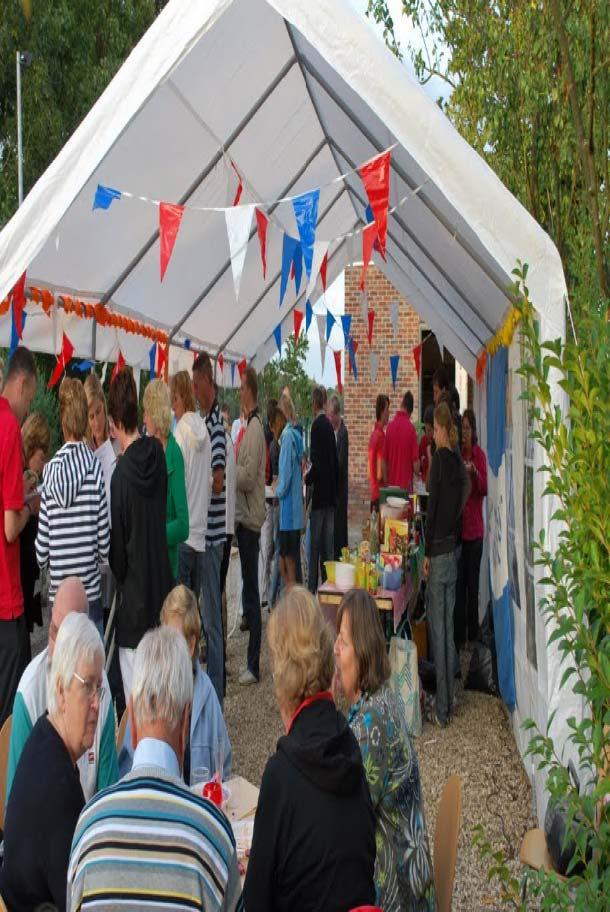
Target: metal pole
[19, 140]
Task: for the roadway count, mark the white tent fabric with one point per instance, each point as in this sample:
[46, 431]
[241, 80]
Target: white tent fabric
[295, 94]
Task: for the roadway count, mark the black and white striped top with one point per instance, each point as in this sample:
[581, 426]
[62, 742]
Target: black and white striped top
[217, 523]
[73, 528]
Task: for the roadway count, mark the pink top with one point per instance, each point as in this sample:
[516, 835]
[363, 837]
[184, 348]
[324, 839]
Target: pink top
[472, 519]
[401, 450]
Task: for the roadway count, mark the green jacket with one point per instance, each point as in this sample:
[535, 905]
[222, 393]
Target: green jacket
[177, 514]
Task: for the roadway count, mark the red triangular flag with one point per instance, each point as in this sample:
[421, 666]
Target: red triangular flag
[371, 319]
[63, 359]
[161, 360]
[221, 363]
[241, 367]
[368, 239]
[262, 223]
[337, 356]
[118, 367]
[292, 271]
[417, 358]
[297, 316]
[376, 179]
[18, 297]
[240, 186]
[170, 216]
[324, 270]
[481, 363]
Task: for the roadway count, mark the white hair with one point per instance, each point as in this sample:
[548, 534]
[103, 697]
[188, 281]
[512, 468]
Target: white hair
[162, 677]
[78, 640]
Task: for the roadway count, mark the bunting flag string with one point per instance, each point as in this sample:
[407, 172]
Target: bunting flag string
[394, 359]
[337, 357]
[346, 322]
[417, 358]
[371, 321]
[170, 217]
[63, 359]
[238, 222]
[262, 224]
[118, 367]
[308, 315]
[374, 364]
[277, 332]
[297, 318]
[375, 176]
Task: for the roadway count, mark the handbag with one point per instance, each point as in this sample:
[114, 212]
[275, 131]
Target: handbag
[404, 680]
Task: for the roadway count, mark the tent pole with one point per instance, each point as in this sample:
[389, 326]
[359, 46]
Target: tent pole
[277, 276]
[501, 282]
[227, 264]
[202, 176]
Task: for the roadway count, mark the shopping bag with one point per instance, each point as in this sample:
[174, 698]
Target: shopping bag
[405, 683]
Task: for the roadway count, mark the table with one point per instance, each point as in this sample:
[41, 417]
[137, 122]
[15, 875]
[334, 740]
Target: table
[240, 810]
[390, 604]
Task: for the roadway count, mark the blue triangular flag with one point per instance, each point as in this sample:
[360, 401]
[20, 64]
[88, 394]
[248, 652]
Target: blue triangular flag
[152, 357]
[277, 332]
[306, 215]
[14, 333]
[330, 322]
[298, 266]
[394, 359]
[187, 344]
[232, 373]
[346, 320]
[308, 314]
[289, 246]
[84, 366]
[105, 196]
[352, 358]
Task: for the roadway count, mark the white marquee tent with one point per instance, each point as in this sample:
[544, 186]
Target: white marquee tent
[296, 94]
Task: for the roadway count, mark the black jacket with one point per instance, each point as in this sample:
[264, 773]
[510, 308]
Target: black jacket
[138, 544]
[448, 492]
[314, 831]
[43, 809]
[324, 472]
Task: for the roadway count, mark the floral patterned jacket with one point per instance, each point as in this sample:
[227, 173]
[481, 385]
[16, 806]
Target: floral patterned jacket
[403, 866]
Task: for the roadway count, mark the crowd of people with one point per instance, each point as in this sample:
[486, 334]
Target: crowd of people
[149, 515]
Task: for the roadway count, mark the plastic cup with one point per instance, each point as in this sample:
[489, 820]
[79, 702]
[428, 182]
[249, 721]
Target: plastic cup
[200, 776]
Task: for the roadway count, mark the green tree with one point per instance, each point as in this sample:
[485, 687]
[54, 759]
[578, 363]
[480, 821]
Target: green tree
[530, 91]
[77, 46]
[289, 370]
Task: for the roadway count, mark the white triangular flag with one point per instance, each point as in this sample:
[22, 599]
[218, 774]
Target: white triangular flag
[374, 364]
[352, 249]
[104, 369]
[320, 249]
[364, 306]
[321, 322]
[394, 316]
[238, 220]
[323, 353]
[136, 377]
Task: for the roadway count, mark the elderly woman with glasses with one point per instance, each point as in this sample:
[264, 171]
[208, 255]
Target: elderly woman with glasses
[46, 798]
[403, 866]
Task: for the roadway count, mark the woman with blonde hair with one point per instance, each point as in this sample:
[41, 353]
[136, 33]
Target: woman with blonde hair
[36, 438]
[73, 528]
[314, 831]
[102, 445]
[158, 421]
[448, 491]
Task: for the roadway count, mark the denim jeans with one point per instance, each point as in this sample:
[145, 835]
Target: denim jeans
[248, 544]
[441, 605]
[189, 568]
[211, 607]
[467, 599]
[321, 545]
[276, 580]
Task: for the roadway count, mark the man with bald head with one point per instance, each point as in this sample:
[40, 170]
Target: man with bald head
[98, 767]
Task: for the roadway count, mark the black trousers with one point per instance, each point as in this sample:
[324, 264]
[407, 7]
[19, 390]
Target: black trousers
[248, 542]
[14, 646]
[466, 621]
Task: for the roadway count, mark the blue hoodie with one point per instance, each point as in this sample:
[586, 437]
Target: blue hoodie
[289, 489]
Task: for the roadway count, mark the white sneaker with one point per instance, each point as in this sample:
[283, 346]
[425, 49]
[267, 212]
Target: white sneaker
[246, 678]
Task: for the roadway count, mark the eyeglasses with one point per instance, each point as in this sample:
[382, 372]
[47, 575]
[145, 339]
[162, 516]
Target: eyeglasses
[91, 688]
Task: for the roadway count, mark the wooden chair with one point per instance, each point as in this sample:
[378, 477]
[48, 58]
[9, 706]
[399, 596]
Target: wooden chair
[5, 739]
[446, 836]
[2, 906]
[120, 735]
[535, 854]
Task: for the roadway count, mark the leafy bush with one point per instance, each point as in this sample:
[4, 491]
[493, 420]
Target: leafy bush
[576, 597]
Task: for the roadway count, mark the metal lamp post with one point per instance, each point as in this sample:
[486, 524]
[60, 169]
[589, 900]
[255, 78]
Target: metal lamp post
[24, 59]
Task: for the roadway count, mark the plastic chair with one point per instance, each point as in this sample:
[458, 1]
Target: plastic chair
[446, 836]
[120, 735]
[5, 739]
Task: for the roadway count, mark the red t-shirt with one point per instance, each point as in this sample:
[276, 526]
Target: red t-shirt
[424, 443]
[11, 498]
[401, 450]
[376, 456]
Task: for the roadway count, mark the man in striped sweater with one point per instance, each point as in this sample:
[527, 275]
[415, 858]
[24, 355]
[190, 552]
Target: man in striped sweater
[73, 529]
[148, 842]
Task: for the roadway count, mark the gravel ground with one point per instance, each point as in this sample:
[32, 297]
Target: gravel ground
[479, 746]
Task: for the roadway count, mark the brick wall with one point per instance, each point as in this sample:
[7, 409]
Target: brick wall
[359, 397]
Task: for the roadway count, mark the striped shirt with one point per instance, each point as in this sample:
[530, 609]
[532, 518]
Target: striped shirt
[217, 525]
[73, 527]
[149, 843]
